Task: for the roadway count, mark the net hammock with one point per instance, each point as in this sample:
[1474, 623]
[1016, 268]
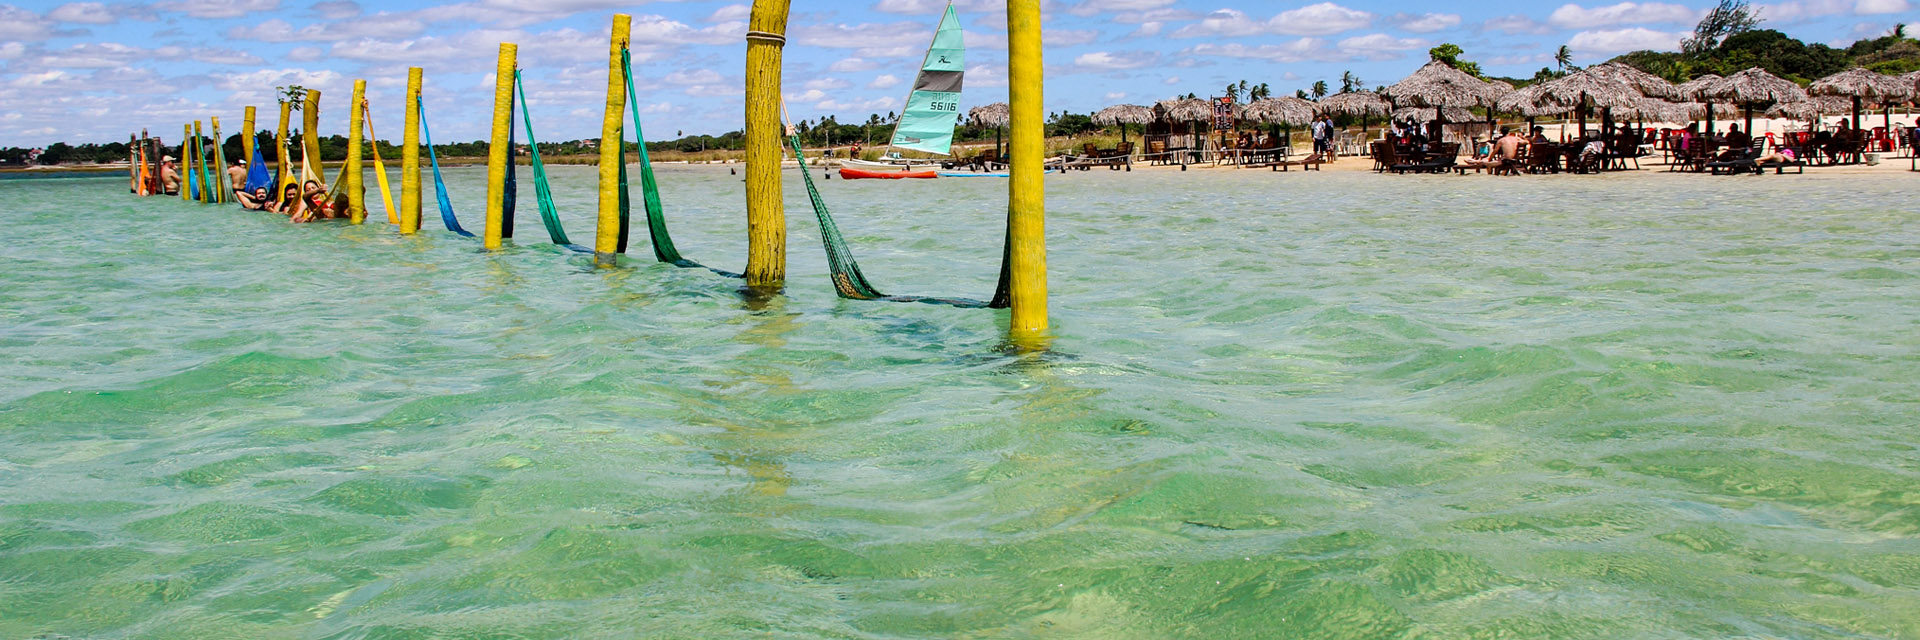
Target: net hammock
[543, 194]
[663, 247]
[379, 166]
[848, 281]
[439, 184]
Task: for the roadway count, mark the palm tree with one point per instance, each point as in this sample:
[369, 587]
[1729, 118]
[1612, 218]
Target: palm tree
[1349, 82]
[1233, 91]
[1259, 92]
[1319, 89]
[1563, 57]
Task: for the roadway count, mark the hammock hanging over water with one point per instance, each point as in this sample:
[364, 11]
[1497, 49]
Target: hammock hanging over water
[439, 184]
[258, 176]
[847, 279]
[543, 194]
[663, 248]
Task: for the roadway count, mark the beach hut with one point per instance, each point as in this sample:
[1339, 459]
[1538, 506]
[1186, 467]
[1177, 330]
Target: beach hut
[1753, 87]
[995, 115]
[1360, 104]
[1527, 103]
[1694, 90]
[1858, 83]
[1285, 111]
[1608, 86]
[1440, 86]
[1189, 111]
[1122, 115]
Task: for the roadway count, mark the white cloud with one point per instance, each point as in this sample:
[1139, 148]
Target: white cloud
[336, 9]
[1114, 96]
[852, 65]
[1171, 80]
[827, 84]
[376, 26]
[18, 24]
[219, 8]
[1320, 19]
[731, 13]
[1799, 10]
[1425, 23]
[1378, 46]
[11, 50]
[1625, 40]
[921, 7]
[884, 81]
[82, 13]
[1107, 61]
[693, 76]
[1876, 7]
[1515, 25]
[1095, 7]
[1573, 16]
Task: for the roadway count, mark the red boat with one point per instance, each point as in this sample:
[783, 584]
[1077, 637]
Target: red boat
[863, 174]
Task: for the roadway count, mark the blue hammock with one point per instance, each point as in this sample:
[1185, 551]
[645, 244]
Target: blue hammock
[439, 184]
[258, 177]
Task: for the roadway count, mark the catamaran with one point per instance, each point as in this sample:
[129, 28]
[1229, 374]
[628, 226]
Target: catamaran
[932, 111]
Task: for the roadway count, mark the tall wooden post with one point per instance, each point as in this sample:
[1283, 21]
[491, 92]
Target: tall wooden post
[201, 191]
[500, 151]
[220, 184]
[310, 135]
[410, 157]
[246, 136]
[353, 177]
[285, 167]
[766, 216]
[184, 168]
[606, 231]
[1027, 205]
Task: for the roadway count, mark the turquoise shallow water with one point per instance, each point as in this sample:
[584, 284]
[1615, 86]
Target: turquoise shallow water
[1280, 406]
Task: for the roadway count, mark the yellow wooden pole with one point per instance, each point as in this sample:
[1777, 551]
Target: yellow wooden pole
[218, 186]
[310, 136]
[353, 176]
[606, 231]
[285, 168]
[410, 157]
[499, 153]
[201, 192]
[246, 136]
[185, 163]
[766, 214]
[1027, 189]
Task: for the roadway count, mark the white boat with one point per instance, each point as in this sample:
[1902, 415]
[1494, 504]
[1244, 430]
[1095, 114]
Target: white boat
[891, 164]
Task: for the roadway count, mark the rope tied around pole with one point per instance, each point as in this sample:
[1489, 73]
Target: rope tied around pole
[769, 37]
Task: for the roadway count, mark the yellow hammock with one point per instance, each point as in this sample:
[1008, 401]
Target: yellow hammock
[379, 167]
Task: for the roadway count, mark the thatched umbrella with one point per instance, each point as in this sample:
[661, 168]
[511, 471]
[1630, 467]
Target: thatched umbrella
[1693, 90]
[995, 115]
[1751, 87]
[1285, 111]
[1425, 114]
[1123, 115]
[1440, 85]
[1858, 83]
[1187, 110]
[1356, 103]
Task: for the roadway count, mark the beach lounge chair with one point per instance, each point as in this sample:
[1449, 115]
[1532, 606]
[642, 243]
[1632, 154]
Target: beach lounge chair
[1309, 163]
[1441, 161]
[1385, 158]
[1741, 162]
[1158, 154]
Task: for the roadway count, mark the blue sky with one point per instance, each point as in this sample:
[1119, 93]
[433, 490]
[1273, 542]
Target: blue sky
[93, 71]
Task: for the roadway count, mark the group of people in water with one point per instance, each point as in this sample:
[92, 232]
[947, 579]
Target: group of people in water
[300, 202]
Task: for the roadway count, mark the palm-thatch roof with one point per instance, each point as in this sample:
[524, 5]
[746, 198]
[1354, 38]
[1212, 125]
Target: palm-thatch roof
[1440, 85]
[1861, 83]
[1123, 114]
[995, 115]
[1580, 87]
[1810, 109]
[1184, 109]
[1692, 89]
[1754, 85]
[1646, 84]
[1287, 110]
[1657, 110]
[1424, 114]
[1527, 102]
[1355, 103]
[1914, 80]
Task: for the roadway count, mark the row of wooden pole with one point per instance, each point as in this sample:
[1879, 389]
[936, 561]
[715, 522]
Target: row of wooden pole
[766, 219]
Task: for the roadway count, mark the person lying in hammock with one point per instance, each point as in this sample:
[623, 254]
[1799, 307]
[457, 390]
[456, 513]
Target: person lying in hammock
[255, 201]
[283, 205]
[313, 205]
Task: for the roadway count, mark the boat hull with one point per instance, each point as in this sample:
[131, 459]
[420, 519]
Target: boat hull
[850, 173]
[888, 166]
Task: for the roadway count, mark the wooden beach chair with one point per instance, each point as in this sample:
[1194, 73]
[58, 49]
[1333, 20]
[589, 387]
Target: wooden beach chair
[1309, 163]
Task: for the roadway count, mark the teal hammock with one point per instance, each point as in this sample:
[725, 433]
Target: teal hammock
[439, 184]
[549, 215]
[663, 248]
[847, 279]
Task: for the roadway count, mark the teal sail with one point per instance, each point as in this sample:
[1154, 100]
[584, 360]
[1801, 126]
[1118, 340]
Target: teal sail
[933, 108]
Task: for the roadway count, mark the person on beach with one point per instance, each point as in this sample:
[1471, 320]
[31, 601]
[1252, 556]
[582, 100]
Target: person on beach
[1780, 155]
[1539, 136]
[1737, 139]
[1323, 135]
[288, 201]
[237, 174]
[169, 177]
[313, 204]
[1501, 152]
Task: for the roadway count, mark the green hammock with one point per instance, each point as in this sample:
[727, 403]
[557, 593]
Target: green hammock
[663, 249]
[549, 215]
[847, 279]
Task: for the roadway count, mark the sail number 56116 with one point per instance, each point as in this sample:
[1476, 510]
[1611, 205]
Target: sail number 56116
[944, 106]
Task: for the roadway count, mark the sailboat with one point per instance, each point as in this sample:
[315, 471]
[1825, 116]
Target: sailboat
[932, 111]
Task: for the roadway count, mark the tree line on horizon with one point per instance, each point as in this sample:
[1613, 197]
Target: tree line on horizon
[1727, 40]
